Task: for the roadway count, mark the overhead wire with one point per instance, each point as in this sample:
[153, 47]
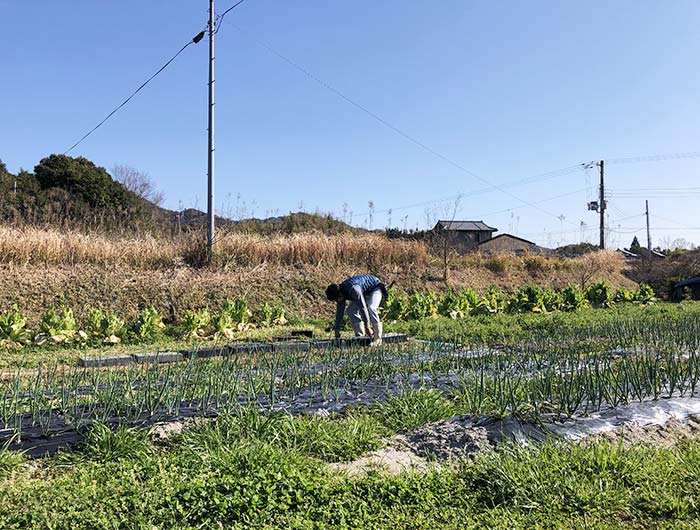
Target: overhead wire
[220, 18]
[194, 40]
[653, 158]
[528, 180]
[385, 122]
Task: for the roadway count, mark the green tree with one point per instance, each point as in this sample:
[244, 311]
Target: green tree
[82, 178]
[635, 247]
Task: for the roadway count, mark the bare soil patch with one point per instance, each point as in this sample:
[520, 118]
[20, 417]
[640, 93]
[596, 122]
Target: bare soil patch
[444, 442]
[666, 435]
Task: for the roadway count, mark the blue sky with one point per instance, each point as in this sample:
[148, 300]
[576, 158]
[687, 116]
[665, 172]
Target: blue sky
[476, 94]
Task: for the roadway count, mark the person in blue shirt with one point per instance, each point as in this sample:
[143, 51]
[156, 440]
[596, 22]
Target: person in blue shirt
[364, 292]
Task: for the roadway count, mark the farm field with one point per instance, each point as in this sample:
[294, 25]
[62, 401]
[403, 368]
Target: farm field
[477, 422]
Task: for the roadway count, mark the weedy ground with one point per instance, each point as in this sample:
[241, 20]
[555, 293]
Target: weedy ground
[253, 471]
[42, 267]
[247, 469]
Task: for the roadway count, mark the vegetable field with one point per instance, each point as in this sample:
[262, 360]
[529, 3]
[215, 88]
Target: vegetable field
[266, 431]
[554, 373]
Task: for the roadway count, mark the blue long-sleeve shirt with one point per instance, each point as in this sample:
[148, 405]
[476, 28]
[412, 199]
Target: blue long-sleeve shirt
[355, 289]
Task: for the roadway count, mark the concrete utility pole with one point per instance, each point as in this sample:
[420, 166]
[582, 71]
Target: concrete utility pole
[601, 204]
[210, 159]
[648, 232]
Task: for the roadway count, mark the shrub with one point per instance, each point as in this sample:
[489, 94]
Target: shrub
[59, 325]
[573, 298]
[493, 302]
[13, 330]
[535, 263]
[237, 309]
[396, 307]
[103, 326]
[147, 326]
[529, 298]
[263, 315]
[195, 323]
[278, 317]
[468, 299]
[645, 294]
[599, 294]
[422, 305]
[623, 295]
[498, 263]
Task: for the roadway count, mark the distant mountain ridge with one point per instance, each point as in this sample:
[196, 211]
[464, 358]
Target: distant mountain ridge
[63, 191]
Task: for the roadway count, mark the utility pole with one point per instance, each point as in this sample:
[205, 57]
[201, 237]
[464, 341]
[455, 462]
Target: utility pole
[210, 159]
[601, 204]
[648, 232]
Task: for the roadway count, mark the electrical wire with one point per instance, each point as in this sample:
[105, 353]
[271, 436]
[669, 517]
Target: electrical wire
[386, 123]
[528, 180]
[567, 194]
[653, 158]
[220, 18]
[194, 40]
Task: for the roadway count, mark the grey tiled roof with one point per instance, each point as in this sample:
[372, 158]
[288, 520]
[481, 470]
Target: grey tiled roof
[479, 226]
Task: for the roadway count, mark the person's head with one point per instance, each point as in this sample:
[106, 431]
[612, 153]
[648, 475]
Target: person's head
[333, 292]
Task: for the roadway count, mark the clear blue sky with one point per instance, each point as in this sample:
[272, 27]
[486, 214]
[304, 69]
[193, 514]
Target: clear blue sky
[504, 90]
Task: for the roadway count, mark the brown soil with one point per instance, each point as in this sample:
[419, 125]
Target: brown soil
[390, 460]
[435, 444]
[667, 435]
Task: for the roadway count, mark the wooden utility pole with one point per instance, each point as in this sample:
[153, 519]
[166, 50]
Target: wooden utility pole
[648, 231]
[601, 204]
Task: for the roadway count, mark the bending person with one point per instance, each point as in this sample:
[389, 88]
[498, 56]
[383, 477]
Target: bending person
[364, 293]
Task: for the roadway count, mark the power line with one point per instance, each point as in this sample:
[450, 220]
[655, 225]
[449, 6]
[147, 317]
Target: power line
[386, 123]
[194, 40]
[670, 195]
[657, 189]
[567, 194]
[528, 180]
[220, 18]
[653, 158]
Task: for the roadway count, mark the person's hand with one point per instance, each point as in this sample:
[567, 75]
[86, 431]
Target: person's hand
[368, 331]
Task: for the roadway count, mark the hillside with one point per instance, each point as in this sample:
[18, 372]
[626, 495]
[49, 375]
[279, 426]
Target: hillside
[70, 233]
[41, 267]
[68, 192]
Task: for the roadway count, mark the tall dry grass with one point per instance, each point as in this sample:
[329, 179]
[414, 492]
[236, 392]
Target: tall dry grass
[319, 249]
[32, 246]
[583, 269]
[372, 252]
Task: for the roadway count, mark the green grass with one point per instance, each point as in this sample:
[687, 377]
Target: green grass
[246, 469]
[252, 472]
[480, 329]
[415, 408]
[343, 438]
[9, 462]
[514, 328]
[33, 356]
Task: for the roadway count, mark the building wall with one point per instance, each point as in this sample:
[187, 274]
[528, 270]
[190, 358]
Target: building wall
[506, 244]
[467, 240]
[461, 240]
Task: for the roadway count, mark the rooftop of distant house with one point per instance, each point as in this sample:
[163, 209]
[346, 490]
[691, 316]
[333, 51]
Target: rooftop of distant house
[465, 226]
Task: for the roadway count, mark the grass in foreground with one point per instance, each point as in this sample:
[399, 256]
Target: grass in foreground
[253, 471]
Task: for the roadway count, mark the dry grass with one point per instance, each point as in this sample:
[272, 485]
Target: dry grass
[42, 267]
[319, 249]
[35, 246]
[32, 246]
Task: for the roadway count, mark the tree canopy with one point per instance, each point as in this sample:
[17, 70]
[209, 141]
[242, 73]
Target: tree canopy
[79, 176]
